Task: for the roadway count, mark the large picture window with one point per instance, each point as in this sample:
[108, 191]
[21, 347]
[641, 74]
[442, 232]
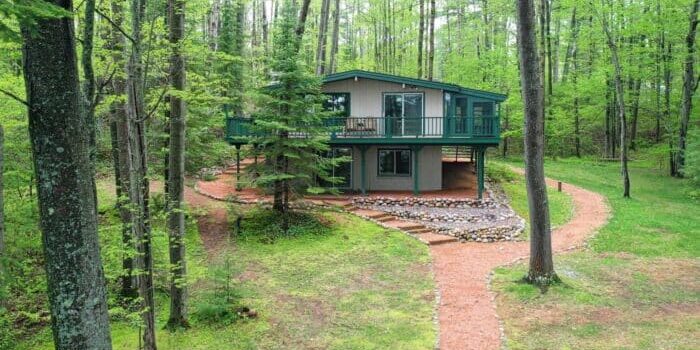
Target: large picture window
[394, 162]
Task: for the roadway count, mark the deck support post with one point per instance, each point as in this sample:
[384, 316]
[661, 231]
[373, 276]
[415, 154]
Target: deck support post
[416, 169]
[480, 162]
[238, 167]
[363, 169]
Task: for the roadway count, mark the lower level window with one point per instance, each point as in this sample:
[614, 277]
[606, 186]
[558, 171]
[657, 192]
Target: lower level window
[394, 162]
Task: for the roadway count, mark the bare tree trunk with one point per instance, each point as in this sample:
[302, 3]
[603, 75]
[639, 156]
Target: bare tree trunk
[301, 27]
[619, 92]
[138, 180]
[421, 31]
[2, 199]
[265, 29]
[336, 28]
[123, 153]
[60, 137]
[176, 189]
[636, 92]
[689, 87]
[214, 24]
[431, 42]
[321, 44]
[541, 270]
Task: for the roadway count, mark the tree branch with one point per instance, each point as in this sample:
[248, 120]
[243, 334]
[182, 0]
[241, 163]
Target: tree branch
[160, 99]
[15, 97]
[99, 12]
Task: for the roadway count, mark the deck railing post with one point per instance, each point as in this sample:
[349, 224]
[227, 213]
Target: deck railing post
[238, 167]
[363, 168]
[480, 162]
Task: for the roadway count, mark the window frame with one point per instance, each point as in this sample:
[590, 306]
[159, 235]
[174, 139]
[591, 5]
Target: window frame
[348, 103]
[395, 152]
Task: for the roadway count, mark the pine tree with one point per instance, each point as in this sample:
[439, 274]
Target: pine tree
[290, 125]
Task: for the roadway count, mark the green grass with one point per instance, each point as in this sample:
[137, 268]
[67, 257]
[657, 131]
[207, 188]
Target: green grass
[560, 205]
[338, 283]
[660, 220]
[636, 288]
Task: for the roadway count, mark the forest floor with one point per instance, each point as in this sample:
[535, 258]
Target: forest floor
[335, 281]
[635, 286]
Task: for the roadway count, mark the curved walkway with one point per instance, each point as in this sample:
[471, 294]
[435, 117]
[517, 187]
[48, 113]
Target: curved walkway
[467, 311]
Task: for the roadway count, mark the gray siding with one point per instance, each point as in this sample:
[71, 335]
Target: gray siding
[429, 177]
[366, 96]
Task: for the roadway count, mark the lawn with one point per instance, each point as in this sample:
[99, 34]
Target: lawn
[335, 282]
[637, 287]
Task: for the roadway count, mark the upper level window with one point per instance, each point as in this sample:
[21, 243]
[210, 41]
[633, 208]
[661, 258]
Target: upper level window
[394, 162]
[338, 102]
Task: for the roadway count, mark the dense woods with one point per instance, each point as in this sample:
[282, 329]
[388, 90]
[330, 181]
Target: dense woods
[137, 91]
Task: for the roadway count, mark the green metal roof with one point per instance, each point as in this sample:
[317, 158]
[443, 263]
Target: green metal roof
[352, 74]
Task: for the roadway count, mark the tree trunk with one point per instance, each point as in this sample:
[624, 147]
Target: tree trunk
[336, 28]
[2, 199]
[138, 180]
[321, 44]
[176, 164]
[214, 24]
[421, 31]
[303, 14]
[123, 153]
[265, 29]
[431, 41]
[541, 271]
[620, 97]
[688, 89]
[60, 138]
[636, 92]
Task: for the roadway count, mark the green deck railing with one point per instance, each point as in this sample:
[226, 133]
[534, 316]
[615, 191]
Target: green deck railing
[381, 128]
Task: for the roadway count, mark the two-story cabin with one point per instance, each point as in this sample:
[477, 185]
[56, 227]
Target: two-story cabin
[397, 130]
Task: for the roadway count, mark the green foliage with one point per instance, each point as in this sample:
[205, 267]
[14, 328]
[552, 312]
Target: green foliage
[499, 173]
[290, 124]
[25, 13]
[7, 332]
[267, 226]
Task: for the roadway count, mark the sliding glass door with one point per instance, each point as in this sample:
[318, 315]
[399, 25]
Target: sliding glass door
[404, 113]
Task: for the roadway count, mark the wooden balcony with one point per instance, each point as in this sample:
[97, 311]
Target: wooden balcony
[391, 130]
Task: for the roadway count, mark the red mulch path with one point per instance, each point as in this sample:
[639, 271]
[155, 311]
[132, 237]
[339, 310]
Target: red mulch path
[467, 312]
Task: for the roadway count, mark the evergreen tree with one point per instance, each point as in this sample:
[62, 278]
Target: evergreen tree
[231, 42]
[290, 124]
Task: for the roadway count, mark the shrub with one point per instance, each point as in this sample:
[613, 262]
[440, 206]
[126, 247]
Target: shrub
[266, 225]
[499, 172]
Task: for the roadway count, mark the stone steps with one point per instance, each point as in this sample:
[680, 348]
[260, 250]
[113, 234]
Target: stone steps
[436, 239]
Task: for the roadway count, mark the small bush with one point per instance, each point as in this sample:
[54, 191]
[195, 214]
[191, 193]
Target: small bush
[7, 335]
[267, 225]
[498, 173]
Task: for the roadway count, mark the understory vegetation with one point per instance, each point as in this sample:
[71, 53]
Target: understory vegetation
[332, 281]
[635, 287]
